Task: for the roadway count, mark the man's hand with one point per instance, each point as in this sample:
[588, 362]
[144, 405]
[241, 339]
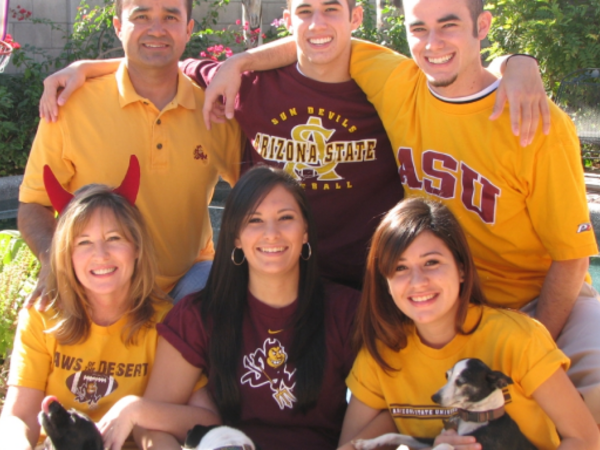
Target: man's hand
[40, 291]
[222, 92]
[69, 80]
[523, 88]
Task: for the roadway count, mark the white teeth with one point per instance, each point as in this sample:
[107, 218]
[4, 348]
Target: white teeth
[422, 298]
[321, 41]
[104, 271]
[272, 249]
[154, 45]
[440, 60]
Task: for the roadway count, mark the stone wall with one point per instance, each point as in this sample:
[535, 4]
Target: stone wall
[63, 12]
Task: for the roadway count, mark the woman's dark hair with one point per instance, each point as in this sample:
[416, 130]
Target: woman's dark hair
[223, 302]
[379, 319]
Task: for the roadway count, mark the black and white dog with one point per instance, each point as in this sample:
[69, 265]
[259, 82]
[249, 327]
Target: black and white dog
[68, 430]
[218, 437]
[476, 392]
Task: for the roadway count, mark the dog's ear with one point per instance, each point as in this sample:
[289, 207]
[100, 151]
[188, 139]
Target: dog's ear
[498, 380]
[195, 435]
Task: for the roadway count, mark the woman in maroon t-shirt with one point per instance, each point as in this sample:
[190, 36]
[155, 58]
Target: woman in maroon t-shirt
[267, 339]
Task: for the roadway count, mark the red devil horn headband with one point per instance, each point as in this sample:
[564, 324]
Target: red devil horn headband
[60, 198]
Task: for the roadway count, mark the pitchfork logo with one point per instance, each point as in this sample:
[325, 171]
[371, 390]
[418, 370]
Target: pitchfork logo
[199, 154]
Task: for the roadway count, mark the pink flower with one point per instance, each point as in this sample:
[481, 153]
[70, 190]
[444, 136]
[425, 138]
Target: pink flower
[228, 52]
[238, 22]
[203, 54]
[238, 39]
[15, 45]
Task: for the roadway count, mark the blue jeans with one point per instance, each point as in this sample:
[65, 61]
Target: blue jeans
[193, 281]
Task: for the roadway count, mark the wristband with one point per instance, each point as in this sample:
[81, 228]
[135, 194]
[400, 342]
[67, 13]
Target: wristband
[523, 54]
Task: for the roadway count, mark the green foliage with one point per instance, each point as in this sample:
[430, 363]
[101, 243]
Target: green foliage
[18, 277]
[392, 34]
[564, 35]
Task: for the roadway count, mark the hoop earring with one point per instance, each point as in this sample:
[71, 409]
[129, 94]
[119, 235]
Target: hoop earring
[309, 252]
[233, 257]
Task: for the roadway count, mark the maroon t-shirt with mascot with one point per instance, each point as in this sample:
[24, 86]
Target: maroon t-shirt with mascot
[330, 138]
[266, 379]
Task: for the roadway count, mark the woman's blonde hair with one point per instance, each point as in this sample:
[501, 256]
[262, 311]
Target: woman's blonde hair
[69, 300]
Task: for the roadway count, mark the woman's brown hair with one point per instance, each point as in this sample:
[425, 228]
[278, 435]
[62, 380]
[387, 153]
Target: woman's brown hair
[69, 299]
[379, 319]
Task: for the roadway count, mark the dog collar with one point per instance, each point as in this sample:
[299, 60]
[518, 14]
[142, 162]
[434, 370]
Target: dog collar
[480, 416]
[235, 447]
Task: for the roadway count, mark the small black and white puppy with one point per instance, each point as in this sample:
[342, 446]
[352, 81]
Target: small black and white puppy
[217, 437]
[67, 430]
[476, 392]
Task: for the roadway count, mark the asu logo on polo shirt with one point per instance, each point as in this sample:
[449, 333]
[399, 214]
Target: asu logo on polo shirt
[200, 154]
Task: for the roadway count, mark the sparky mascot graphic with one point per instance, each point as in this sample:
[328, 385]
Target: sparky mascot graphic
[267, 366]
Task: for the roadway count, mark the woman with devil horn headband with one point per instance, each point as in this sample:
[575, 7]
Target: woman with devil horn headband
[96, 343]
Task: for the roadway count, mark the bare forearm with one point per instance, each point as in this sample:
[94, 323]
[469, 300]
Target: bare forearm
[155, 440]
[17, 433]
[273, 55]
[37, 225]
[174, 419]
[559, 292]
[92, 68]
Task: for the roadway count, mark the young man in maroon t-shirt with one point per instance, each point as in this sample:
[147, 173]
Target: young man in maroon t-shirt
[313, 121]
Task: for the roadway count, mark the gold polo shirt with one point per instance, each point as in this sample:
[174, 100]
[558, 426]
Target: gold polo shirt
[104, 123]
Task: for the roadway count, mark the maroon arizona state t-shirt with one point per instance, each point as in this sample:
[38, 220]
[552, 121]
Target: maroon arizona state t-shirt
[267, 381]
[330, 138]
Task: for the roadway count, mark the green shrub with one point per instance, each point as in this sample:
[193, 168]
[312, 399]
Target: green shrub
[564, 35]
[18, 277]
[392, 35]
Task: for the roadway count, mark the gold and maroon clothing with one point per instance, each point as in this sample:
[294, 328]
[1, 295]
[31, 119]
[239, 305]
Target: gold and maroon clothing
[267, 380]
[329, 137]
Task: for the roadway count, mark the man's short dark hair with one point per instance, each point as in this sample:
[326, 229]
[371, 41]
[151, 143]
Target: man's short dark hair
[119, 8]
[475, 8]
[351, 5]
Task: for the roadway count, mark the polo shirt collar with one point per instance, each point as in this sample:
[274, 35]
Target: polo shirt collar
[127, 94]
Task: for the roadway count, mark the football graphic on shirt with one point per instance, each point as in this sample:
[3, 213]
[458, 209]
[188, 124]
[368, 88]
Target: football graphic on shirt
[90, 386]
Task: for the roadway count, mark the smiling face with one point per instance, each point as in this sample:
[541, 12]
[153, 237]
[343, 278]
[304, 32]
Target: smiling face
[445, 43]
[153, 32]
[273, 237]
[322, 30]
[425, 287]
[103, 259]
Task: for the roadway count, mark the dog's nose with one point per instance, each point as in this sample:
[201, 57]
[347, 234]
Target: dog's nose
[436, 398]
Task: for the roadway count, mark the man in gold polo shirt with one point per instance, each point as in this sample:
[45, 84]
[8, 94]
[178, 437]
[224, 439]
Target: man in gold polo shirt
[150, 109]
